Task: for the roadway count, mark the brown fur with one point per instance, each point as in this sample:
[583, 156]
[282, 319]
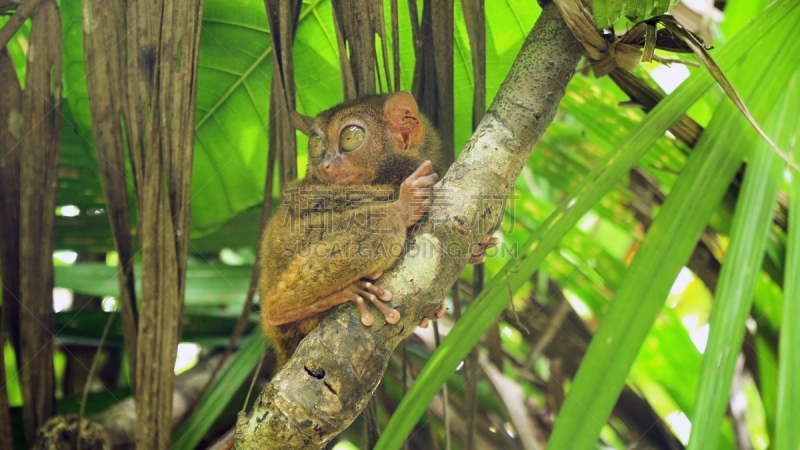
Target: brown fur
[305, 266]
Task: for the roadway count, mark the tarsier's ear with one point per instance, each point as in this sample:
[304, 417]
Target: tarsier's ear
[300, 122]
[401, 112]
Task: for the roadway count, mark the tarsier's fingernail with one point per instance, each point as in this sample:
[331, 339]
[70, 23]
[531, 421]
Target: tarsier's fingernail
[366, 316]
[393, 316]
[367, 319]
[440, 313]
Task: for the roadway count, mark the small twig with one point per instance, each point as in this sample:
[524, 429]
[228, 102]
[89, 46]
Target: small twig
[244, 317]
[227, 441]
[559, 316]
[23, 11]
[92, 371]
[737, 407]
[238, 329]
[471, 364]
[404, 378]
[395, 46]
[445, 408]
[511, 304]
[8, 5]
[668, 61]
[253, 382]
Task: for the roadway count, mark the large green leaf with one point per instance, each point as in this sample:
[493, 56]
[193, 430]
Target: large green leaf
[206, 284]
[787, 433]
[669, 244]
[17, 47]
[232, 107]
[85, 327]
[608, 12]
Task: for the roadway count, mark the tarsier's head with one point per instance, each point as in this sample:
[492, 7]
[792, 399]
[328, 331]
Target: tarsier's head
[379, 139]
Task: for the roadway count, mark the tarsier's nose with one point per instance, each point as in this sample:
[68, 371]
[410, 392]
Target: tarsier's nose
[326, 168]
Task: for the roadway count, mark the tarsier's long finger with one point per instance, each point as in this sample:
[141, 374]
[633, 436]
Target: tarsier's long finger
[424, 181]
[366, 316]
[370, 288]
[424, 169]
[374, 275]
[486, 243]
[437, 315]
[490, 242]
[443, 310]
[478, 255]
[477, 259]
[391, 315]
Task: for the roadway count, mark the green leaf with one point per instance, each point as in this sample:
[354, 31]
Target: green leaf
[608, 12]
[669, 244]
[232, 106]
[739, 12]
[85, 327]
[737, 280]
[17, 47]
[206, 284]
[74, 89]
[701, 51]
[787, 433]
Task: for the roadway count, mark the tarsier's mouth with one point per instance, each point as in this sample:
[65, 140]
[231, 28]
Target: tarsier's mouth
[346, 179]
[342, 180]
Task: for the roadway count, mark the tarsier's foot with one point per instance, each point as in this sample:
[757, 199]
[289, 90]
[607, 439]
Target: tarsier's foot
[415, 196]
[364, 289]
[437, 315]
[479, 251]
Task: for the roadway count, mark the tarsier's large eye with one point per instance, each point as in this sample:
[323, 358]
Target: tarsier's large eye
[351, 138]
[316, 146]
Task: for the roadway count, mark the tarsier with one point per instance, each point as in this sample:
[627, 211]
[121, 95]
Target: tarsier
[370, 169]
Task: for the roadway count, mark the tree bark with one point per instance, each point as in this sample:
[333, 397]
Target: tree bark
[40, 149]
[163, 40]
[327, 383]
[103, 30]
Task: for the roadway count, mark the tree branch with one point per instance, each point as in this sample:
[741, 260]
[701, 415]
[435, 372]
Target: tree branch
[323, 388]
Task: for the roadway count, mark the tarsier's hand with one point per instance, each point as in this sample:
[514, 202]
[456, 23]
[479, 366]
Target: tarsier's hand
[478, 256]
[437, 315]
[364, 289]
[479, 250]
[413, 202]
[415, 195]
